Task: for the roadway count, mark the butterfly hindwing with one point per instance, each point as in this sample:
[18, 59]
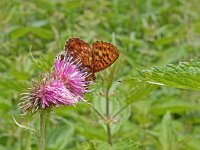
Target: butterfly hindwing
[104, 54]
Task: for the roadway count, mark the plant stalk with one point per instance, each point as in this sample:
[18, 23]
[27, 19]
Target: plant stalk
[42, 130]
[108, 117]
[109, 134]
[107, 103]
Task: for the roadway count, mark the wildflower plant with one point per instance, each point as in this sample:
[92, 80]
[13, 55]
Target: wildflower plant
[65, 85]
[148, 33]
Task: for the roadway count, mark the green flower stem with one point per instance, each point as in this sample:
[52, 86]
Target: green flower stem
[108, 117]
[42, 130]
[107, 103]
[109, 134]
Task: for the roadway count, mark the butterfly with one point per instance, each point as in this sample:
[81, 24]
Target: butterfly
[96, 58]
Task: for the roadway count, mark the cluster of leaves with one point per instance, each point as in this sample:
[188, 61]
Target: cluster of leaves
[147, 33]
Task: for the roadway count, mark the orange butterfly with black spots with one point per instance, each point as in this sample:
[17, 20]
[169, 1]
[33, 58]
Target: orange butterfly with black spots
[96, 58]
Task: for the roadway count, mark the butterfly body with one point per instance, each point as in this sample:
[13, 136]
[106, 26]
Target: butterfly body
[95, 59]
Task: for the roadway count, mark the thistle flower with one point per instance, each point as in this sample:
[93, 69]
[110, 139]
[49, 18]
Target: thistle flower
[46, 94]
[68, 71]
[65, 85]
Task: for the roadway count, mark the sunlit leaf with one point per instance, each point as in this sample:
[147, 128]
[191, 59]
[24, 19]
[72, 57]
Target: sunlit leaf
[185, 75]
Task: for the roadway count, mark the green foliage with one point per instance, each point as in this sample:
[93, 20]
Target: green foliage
[186, 75]
[99, 145]
[135, 90]
[167, 136]
[143, 114]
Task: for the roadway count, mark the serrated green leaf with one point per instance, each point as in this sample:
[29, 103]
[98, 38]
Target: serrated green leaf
[185, 75]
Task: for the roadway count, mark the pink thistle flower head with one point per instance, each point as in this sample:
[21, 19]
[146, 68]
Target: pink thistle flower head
[73, 77]
[46, 94]
[65, 86]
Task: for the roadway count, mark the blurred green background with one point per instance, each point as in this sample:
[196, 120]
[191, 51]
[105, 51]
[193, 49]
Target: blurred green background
[147, 32]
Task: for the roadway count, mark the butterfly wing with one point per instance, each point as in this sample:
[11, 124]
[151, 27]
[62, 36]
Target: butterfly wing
[78, 49]
[104, 54]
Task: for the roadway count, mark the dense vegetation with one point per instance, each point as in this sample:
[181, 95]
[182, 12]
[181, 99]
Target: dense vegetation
[150, 107]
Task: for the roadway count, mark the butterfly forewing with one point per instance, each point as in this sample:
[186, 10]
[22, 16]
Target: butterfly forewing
[104, 54]
[79, 49]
